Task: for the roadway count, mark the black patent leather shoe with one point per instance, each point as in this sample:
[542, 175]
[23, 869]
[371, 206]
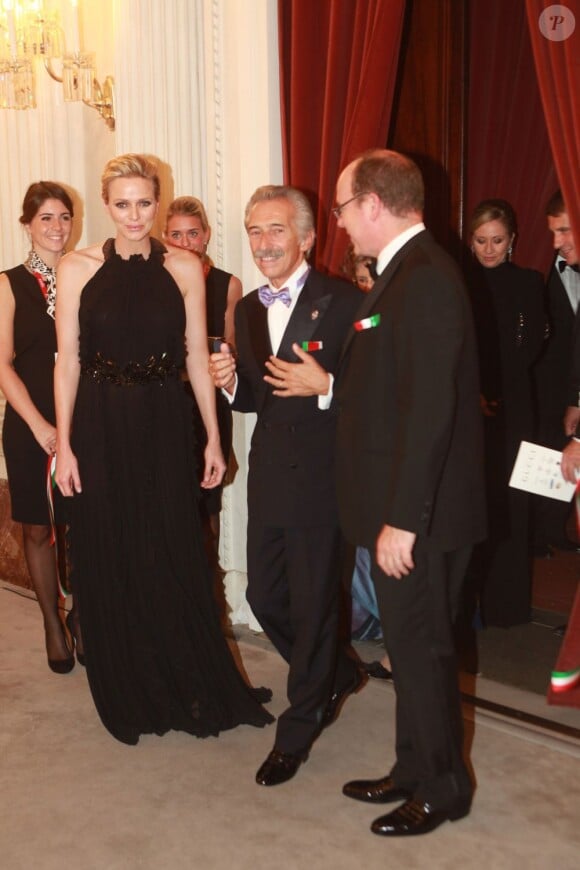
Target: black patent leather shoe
[337, 699]
[377, 671]
[279, 767]
[375, 791]
[414, 817]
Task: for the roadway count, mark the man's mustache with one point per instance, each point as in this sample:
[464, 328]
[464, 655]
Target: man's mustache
[274, 253]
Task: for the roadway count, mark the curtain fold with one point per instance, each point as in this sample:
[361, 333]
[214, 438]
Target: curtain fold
[557, 63]
[508, 150]
[338, 70]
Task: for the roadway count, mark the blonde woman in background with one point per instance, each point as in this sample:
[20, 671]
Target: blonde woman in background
[187, 226]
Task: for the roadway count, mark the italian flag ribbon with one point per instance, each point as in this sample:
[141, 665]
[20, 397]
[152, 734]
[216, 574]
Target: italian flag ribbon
[50, 486]
[561, 681]
[367, 322]
[309, 346]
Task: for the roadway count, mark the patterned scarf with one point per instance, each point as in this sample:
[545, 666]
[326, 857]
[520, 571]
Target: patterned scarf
[46, 278]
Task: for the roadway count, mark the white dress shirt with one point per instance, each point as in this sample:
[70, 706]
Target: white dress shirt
[278, 317]
[571, 281]
[280, 314]
[389, 251]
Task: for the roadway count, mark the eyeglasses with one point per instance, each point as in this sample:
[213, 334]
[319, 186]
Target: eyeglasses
[337, 210]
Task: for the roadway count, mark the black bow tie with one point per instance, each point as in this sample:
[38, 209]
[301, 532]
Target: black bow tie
[562, 265]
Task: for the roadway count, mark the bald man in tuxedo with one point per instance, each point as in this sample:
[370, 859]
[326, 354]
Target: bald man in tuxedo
[409, 474]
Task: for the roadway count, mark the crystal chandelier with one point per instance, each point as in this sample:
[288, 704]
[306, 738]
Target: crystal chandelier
[31, 33]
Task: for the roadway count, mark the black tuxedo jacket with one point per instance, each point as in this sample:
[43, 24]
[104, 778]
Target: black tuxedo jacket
[552, 370]
[410, 431]
[291, 466]
[573, 396]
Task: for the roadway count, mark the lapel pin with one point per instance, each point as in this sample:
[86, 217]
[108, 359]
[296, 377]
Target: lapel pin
[314, 314]
[367, 322]
[309, 346]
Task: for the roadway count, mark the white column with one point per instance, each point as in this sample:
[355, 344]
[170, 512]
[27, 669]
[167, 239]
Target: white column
[244, 151]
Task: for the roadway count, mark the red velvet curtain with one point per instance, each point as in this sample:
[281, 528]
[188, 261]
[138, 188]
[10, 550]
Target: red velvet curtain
[558, 72]
[508, 151]
[338, 61]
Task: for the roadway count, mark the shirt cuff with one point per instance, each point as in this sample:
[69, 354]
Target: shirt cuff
[324, 402]
[231, 397]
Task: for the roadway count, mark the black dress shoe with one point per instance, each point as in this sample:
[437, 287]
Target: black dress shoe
[376, 670]
[415, 817]
[375, 791]
[337, 699]
[278, 767]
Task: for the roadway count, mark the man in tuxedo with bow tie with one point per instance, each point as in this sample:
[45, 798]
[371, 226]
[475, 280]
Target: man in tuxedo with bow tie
[567, 272]
[557, 384]
[410, 483]
[294, 544]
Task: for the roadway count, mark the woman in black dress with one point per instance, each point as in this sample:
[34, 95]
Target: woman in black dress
[28, 346]
[187, 226]
[130, 315]
[510, 324]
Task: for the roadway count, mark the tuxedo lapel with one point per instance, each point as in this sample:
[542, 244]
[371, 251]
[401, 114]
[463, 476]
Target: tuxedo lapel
[380, 286]
[259, 333]
[306, 317]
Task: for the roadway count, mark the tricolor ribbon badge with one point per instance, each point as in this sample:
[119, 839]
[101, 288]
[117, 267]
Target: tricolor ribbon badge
[563, 680]
[309, 346]
[367, 322]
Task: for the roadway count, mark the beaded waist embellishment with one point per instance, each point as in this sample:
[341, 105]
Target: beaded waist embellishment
[131, 374]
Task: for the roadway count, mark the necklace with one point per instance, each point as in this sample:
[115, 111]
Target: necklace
[46, 278]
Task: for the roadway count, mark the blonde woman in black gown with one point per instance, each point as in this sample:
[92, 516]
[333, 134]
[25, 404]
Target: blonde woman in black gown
[510, 323]
[27, 348]
[130, 315]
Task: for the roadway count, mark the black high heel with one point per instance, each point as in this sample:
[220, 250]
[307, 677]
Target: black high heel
[62, 666]
[71, 624]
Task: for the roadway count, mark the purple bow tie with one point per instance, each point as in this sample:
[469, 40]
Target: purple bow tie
[267, 297]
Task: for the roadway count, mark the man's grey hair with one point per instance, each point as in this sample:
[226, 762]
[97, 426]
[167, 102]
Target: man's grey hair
[303, 216]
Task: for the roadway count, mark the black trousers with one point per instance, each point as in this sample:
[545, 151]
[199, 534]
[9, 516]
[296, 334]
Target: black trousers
[294, 590]
[417, 613]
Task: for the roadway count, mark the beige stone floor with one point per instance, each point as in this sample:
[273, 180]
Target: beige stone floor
[71, 796]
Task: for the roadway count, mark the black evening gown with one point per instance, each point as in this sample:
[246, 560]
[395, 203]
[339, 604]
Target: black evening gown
[34, 349]
[155, 653]
[510, 324]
